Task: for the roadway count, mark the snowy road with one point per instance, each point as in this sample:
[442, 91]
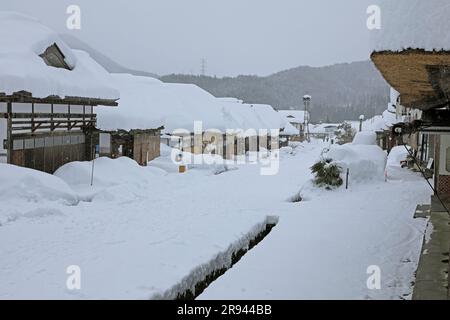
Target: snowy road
[322, 250]
[142, 238]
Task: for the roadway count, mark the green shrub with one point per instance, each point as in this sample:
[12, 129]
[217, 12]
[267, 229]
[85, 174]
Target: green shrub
[327, 174]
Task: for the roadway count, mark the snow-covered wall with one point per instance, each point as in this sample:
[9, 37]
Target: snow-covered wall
[416, 24]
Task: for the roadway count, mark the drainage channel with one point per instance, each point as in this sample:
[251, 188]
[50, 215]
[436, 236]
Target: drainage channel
[200, 287]
[200, 279]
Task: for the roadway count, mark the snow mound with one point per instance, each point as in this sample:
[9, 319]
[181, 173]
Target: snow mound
[107, 172]
[365, 138]
[394, 170]
[396, 156]
[33, 186]
[365, 162]
[121, 179]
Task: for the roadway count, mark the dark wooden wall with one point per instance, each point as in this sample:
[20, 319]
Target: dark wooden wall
[48, 152]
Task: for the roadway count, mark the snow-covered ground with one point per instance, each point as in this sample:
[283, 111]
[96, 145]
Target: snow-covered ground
[150, 233]
[328, 246]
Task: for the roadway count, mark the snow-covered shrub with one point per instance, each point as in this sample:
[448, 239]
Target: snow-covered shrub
[327, 174]
[364, 162]
[345, 133]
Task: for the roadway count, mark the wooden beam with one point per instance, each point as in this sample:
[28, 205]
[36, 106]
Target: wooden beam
[47, 116]
[26, 97]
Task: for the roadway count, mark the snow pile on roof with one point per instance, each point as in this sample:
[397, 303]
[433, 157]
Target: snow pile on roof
[22, 69]
[323, 128]
[293, 116]
[290, 130]
[33, 186]
[415, 24]
[255, 116]
[365, 162]
[148, 103]
[269, 118]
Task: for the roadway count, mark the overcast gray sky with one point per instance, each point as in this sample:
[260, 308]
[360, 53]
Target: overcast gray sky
[235, 36]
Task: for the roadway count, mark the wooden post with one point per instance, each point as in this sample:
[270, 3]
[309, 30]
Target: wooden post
[9, 132]
[69, 124]
[84, 115]
[32, 117]
[52, 123]
[346, 179]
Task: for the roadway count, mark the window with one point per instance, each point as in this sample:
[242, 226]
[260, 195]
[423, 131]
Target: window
[18, 144]
[105, 143]
[66, 140]
[29, 143]
[48, 142]
[74, 140]
[57, 141]
[39, 143]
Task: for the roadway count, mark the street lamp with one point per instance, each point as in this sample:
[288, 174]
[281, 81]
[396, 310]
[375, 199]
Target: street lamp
[361, 119]
[307, 103]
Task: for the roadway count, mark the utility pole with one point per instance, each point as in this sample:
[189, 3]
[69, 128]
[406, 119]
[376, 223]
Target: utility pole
[203, 67]
[307, 103]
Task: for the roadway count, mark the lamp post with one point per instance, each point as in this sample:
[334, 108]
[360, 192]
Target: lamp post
[307, 103]
[361, 119]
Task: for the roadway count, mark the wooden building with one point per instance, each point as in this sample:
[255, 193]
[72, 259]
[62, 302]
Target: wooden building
[44, 134]
[423, 80]
[48, 95]
[141, 145]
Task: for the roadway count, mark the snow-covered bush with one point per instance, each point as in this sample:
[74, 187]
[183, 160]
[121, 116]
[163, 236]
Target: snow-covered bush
[345, 133]
[327, 174]
[364, 162]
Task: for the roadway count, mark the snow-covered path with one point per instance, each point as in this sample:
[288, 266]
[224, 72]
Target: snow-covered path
[139, 239]
[323, 248]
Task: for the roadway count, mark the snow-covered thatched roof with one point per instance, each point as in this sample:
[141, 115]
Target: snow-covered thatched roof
[412, 50]
[293, 116]
[149, 103]
[23, 41]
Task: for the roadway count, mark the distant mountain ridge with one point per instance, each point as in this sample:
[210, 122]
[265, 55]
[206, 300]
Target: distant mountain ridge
[106, 62]
[339, 92]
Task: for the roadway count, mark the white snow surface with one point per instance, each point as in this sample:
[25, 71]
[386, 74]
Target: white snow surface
[365, 160]
[365, 138]
[415, 24]
[396, 156]
[29, 192]
[293, 116]
[21, 69]
[149, 103]
[323, 246]
[143, 232]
